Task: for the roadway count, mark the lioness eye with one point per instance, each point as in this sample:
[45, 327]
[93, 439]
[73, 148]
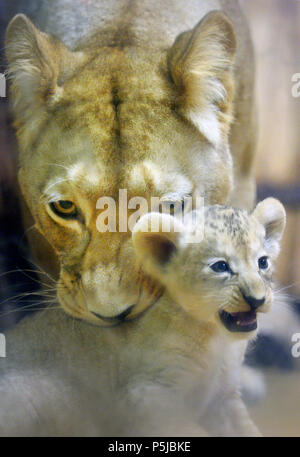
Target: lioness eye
[171, 207]
[64, 208]
[220, 267]
[263, 263]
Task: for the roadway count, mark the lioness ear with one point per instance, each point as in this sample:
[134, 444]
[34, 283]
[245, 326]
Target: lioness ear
[155, 239]
[271, 214]
[201, 65]
[37, 65]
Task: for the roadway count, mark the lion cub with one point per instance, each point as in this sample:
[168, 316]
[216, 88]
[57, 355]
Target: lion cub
[224, 281]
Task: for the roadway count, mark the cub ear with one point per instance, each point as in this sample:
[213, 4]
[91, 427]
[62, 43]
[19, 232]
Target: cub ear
[37, 65]
[201, 65]
[271, 214]
[156, 239]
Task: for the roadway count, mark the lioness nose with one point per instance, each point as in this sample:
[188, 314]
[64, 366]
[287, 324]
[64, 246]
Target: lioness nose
[253, 302]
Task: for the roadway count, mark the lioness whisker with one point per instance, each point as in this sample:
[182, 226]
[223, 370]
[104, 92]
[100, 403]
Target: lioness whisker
[29, 307]
[26, 295]
[40, 270]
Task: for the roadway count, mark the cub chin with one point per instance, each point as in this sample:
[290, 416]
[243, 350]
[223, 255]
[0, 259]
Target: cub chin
[218, 265]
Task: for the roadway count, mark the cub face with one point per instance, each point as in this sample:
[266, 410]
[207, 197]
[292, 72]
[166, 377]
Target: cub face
[227, 276]
[105, 118]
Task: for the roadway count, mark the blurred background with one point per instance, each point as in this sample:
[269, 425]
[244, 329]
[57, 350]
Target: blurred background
[275, 26]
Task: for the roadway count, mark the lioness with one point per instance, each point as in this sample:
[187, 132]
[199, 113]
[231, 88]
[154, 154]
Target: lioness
[153, 97]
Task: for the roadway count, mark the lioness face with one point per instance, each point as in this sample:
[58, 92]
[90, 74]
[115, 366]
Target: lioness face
[226, 277]
[92, 123]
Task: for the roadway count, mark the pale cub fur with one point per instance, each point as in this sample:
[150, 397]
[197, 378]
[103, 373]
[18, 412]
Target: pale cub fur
[175, 370]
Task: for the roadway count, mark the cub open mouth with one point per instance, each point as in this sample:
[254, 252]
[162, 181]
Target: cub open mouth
[239, 322]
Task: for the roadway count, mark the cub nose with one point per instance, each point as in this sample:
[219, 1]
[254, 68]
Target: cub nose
[253, 302]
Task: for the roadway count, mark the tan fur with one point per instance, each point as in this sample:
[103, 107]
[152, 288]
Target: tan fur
[127, 109]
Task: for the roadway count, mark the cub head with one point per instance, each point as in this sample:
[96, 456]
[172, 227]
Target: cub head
[116, 115]
[227, 276]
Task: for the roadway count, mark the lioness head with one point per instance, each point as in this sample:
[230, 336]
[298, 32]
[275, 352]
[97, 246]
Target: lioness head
[227, 276]
[103, 118]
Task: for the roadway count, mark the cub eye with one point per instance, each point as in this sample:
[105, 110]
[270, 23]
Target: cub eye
[64, 208]
[220, 267]
[263, 263]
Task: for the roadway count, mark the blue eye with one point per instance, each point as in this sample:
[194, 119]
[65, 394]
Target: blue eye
[220, 267]
[263, 263]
